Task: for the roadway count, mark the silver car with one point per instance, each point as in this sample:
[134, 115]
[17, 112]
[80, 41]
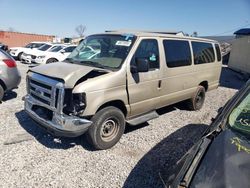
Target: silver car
[9, 74]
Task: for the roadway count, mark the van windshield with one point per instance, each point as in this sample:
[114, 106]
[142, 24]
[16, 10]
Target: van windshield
[103, 51]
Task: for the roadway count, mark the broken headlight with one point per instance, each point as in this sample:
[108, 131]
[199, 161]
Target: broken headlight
[75, 104]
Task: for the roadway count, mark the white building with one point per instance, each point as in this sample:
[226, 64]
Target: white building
[240, 54]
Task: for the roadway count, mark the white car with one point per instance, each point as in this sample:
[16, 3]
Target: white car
[16, 52]
[54, 55]
[31, 55]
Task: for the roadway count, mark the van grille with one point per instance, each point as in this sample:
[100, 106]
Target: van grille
[44, 90]
[40, 91]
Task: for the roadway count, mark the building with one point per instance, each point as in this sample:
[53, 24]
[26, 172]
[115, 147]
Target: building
[240, 54]
[16, 39]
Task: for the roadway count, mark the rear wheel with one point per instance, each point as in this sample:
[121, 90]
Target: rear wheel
[197, 101]
[1, 93]
[107, 128]
[51, 60]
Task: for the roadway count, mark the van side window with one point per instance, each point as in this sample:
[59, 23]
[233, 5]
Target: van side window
[177, 53]
[148, 49]
[218, 52]
[203, 52]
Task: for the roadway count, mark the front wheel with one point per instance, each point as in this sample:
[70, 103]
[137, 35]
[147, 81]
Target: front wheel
[51, 60]
[197, 101]
[107, 128]
[19, 56]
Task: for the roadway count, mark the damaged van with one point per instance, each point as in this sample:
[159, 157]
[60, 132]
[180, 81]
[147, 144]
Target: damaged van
[118, 78]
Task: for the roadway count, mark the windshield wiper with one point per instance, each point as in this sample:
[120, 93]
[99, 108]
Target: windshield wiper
[94, 64]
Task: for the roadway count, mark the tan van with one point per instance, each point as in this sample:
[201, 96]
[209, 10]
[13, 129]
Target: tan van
[115, 78]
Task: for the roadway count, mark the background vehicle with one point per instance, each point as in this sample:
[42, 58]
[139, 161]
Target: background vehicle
[30, 56]
[57, 54]
[221, 157]
[3, 47]
[16, 52]
[10, 76]
[116, 77]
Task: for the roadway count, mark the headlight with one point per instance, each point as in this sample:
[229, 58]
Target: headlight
[41, 57]
[74, 103]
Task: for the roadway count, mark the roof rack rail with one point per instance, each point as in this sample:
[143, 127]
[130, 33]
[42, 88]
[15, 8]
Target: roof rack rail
[158, 32]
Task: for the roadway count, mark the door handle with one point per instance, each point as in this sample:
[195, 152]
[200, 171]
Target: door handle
[159, 84]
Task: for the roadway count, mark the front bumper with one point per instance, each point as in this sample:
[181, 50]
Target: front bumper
[13, 53]
[26, 59]
[60, 124]
[39, 60]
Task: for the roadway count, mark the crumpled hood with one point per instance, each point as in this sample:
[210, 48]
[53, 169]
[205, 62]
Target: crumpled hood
[68, 72]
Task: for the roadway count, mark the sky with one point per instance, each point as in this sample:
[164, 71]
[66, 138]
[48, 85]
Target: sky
[61, 17]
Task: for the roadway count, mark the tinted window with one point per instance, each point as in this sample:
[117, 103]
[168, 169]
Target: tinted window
[203, 52]
[69, 49]
[148, 49]
[44, 47]
[56, 48]
[177, 53]
[217, 47]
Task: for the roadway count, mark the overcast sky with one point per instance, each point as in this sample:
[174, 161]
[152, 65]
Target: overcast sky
[60, 17]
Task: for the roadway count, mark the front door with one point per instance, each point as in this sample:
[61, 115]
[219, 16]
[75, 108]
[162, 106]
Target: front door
[143, 87]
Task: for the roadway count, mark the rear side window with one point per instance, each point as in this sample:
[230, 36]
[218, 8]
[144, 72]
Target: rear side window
[177, 53]
[203, 52]
[148, 49]
[218, 52]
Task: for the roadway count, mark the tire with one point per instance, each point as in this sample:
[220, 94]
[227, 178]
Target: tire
[107, 128]
[1, 93]
[19, 56]
[197, 101]
[51, 60]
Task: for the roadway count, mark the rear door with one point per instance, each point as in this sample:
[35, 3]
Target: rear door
[143, 87]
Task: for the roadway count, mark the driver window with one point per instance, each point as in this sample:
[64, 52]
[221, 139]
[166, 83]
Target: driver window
[148, 49]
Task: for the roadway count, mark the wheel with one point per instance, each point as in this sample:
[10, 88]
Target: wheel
[197, 101]
[107, 128]
[1, 93]
[51, 60]
[19, 56]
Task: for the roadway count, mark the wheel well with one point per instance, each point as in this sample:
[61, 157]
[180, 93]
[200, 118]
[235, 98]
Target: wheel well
[204, 84]
[52, 58]
[117, 103]
[3, 85]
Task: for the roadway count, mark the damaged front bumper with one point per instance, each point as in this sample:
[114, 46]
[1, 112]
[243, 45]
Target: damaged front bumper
[58, 124]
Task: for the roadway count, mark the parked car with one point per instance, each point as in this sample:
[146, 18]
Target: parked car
[221, 158]
[16, 52]
[9, 74]
[30, 56]
[126, 80]
[57, 54]
[3, 47]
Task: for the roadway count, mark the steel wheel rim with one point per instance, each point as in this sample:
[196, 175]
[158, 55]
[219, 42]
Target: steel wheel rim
[109, 129]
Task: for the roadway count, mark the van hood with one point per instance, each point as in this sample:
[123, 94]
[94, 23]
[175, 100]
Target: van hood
[69, 73]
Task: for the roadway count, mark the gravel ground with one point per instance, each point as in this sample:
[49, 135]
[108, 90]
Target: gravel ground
[32, 158]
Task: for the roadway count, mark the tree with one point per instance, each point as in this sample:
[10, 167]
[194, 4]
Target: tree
[80, 29]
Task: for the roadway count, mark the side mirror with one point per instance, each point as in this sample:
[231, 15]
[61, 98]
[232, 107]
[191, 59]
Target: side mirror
[62, 51]
[142, 65]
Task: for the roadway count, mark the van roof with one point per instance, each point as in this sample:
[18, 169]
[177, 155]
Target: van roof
[169, 34]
